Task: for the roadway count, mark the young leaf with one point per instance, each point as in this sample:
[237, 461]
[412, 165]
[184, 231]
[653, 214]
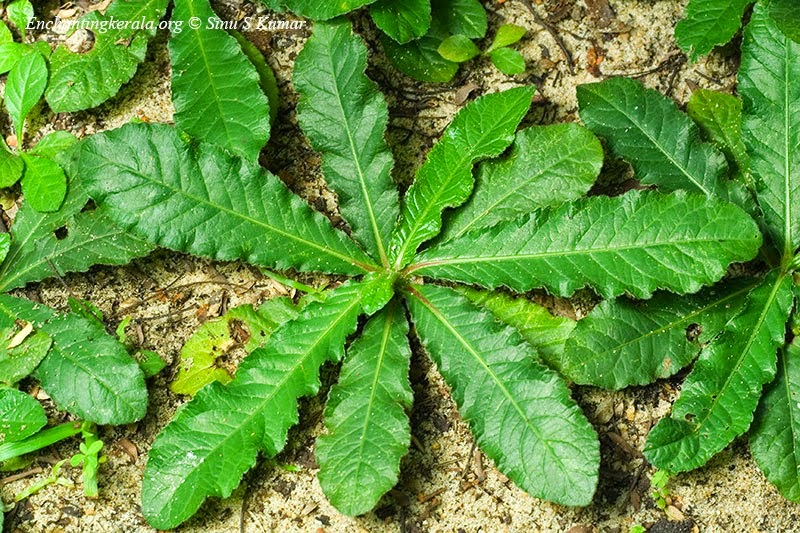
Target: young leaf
[635, 244]
[215, 88]
[458, 48]
[508, 61]
[709, 23]
[720, 118]
[11, 168]
[775, 435]
[420, 58]
[179, 196]
[24, 87]
[506, 35]
[52, 144]
[5, 34]
[215, 438]
[82, 81]
[520, 411]
[622, 342]
[20, 13]
[482, 129]
[771, 126]
[547, 166]
[39, 246]
[216, 337]
[786, 15]
[86, 372]
[44, 183]
[647, 129]
[402, 21]
[544, 331]
[10, 54]
[368, 428]
[344, 117]
[719, 396]
[20, 415]
[462, 17]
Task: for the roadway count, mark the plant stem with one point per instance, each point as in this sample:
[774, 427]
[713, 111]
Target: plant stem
[41, 440]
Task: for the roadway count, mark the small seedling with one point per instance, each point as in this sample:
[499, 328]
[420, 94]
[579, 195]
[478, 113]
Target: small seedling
[89, 458]
[459, 48]
[660, 492]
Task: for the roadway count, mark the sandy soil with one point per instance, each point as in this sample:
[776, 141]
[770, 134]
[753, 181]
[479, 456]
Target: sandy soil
[446, 484]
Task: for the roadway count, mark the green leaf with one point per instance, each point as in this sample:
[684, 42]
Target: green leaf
[506, 35]
[368, 428]
[84, 80]
[624, 342]
[52, 144]
[198, 199]
[465, 17]
[775, 435]
[44, 183]
[215, 338]
[344, 117]
[22, 358]
[24, 87]
[508, 61]
[5, 244]
[647, 129]
[402, 21]
[709, 23]
[69, 240]
[266, 76]
[319, 9]
[20, 415]
[420, 58]
[458, 48]
[771, 126]
[483, 129]
[5, 34]
[635, 244]
[11, 168]
[720, 394]
[87, 372]
[20, 13]
[215, 88]
[10, 54]
[544, 331]
[720, 119]
[547, 166]
[520, 411]
[786, 15]
[215, 438]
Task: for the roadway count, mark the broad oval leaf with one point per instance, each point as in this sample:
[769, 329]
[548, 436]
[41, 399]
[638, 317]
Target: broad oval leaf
[484, 128]
[20, 13]
[87, 372]
[53, 144]
[520, 411]
[368, 428]
[44, 183]
[508, 61]
[771, 126]
[199, 199]
[83, 81]
[646, 128]
[720, 394]
[635, 244]
[547, 166]
[20, 415]
[402, 21]
[24, 87]
[215, 438]
[344, 117]
[623, 342]
[775, 435]
[10, 53]
[709, 23]
[215, 88]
